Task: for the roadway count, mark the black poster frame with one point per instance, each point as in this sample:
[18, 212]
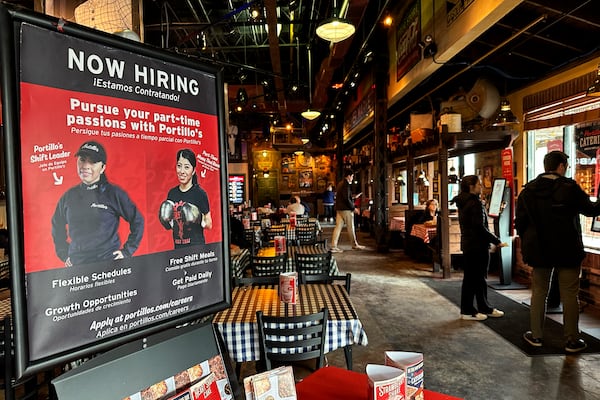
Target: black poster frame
[12, 19]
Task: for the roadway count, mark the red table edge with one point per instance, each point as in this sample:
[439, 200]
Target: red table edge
[332, 382]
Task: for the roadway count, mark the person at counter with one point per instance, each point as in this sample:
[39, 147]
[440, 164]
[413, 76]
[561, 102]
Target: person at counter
[547, 220]
[475, 239]
[86, 221]
[186, 211]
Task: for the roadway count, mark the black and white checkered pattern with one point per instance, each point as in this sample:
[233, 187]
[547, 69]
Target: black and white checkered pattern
[241, 261]
[240, 330]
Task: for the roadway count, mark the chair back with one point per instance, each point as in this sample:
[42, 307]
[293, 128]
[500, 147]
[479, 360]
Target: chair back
[306, 234]
[290, 339]
[313, 263]
[275, 230]
[252, 236]
[326, 279]
[269, 266]
[255, 281]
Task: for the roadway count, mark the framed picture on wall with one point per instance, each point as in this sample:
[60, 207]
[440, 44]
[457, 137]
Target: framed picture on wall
[435, 187]
[488, 176]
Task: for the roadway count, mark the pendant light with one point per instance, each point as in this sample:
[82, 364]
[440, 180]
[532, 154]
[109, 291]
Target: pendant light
[310, 114]
[505, 117]
[335, 29]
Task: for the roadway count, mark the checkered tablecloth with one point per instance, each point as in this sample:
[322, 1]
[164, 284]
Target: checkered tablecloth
[398, 224]
[425, 232]
[239, 263]
[5, 308]
[240, 330]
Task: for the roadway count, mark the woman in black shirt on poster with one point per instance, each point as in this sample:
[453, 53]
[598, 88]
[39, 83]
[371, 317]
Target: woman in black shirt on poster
[475, 239]
[186, 210]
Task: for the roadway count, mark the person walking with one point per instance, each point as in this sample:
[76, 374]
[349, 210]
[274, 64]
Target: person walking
[344, 205]
[475, 239]
[547, 220]
[328, 202]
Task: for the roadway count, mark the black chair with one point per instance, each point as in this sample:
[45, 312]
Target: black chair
[285, 340]
[275, 230]
[306, 234]
[256, 281]
[346, 280]
[252, 236]
[6, 359]
[269, 266]
[318, 264]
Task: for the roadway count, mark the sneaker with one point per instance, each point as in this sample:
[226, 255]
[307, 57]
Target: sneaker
[358, 247]
[495, 313]
[336, 250]
[535, 342]
[573, 346]
[474, 317]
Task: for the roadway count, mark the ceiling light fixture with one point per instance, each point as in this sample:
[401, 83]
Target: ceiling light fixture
[256, 11]
[388, 20]
[505, 117]
[242, 96]
[310, 114]
[335, 29]
[594, 89]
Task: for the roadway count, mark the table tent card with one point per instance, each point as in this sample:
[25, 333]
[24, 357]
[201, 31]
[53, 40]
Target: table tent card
[386, 383]
[412, 365]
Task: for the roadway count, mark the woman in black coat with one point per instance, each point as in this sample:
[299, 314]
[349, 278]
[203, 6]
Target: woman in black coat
[475, 239]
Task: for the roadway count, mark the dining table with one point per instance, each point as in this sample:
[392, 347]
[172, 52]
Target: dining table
[332, 383]
[424, 232]
[398, 224]
[239, 329]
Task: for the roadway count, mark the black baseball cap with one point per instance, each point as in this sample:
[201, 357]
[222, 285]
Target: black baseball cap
[92, 150]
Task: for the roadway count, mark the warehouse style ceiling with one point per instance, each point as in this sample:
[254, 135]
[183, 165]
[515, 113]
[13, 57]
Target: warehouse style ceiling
[268, 54]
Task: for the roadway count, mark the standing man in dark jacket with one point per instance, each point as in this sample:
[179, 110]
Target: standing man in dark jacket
[547, 220]
[344, 205]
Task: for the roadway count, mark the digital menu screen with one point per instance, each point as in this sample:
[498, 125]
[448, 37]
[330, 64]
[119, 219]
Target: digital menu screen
[237, 189]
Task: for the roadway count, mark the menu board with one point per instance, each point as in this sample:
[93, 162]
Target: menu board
[237, 189]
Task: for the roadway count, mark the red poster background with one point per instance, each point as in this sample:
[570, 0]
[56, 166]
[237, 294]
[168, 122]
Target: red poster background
[145, 169]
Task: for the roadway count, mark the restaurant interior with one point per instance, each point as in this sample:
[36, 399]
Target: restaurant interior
[416, 96]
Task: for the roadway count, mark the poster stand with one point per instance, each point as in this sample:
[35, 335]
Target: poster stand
[127, 369]
[502, 229]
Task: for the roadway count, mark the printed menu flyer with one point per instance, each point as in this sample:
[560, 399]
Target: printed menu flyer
[276, 384]
[207, 380]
